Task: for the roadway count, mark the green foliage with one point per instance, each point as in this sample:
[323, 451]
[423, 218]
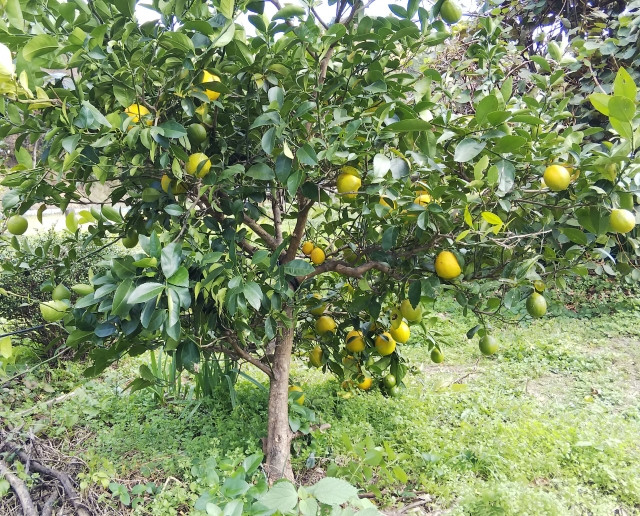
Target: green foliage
[218, 266]
[547, 425]
[30, 273]
[240, 488]
[601, 39]
[371, 466]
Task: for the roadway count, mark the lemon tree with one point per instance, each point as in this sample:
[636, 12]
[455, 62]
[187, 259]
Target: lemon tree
[308, 190]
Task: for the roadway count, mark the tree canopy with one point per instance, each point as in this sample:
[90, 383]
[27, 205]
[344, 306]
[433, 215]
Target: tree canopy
[223, 153]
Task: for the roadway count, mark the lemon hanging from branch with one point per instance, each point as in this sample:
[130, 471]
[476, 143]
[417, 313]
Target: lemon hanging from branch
[447, 266]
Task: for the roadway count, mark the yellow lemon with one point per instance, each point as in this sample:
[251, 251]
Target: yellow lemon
[209, 77]
[423, 199]
[198, 164]
[385, 344]
[307, 247]
[355, 341]
[409, 313]
[622, 221]
[385, 203]
[352, 171]
[317, 256]
[347, 185]
[315, 357]
[165, 183]
[557, 178]
[325, 324]
[136, 112]
[295, 388]
[402, 333]
[447, 266]
[6, 61]
[320, 308]
[365, 384]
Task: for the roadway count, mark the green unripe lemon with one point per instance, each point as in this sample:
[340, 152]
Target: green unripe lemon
[395, 391]
[196, 133]
[53, 311]
[450, 12]
[622, 221]
[436, 356]
[536, 305]
[60, 292]
[82, 289]
[488, 345]
[389, 381]
[17, 225]
[131, 240]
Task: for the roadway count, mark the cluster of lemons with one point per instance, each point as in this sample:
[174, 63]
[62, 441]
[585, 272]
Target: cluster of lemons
[384, 340]
[198, 164]
[60, 303]
[315, 254]
[558, 177]
[348, 184]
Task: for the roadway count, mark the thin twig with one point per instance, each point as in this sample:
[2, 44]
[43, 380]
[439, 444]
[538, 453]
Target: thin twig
[342, 268]
[318, 18]
[48, 404]
[298, 231]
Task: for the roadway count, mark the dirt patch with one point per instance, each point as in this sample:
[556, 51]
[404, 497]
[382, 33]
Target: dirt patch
[624, 354]
[446, 375]
[549, 387]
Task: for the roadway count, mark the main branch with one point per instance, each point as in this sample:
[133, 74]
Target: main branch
[298, 231]
[268, 239]
[342, 268]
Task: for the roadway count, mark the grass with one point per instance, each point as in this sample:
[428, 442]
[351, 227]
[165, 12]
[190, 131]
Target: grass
[548, 425]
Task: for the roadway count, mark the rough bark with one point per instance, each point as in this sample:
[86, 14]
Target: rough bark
[278, 464]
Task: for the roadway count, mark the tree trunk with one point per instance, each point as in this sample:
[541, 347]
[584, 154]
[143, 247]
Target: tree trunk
[278, 446]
